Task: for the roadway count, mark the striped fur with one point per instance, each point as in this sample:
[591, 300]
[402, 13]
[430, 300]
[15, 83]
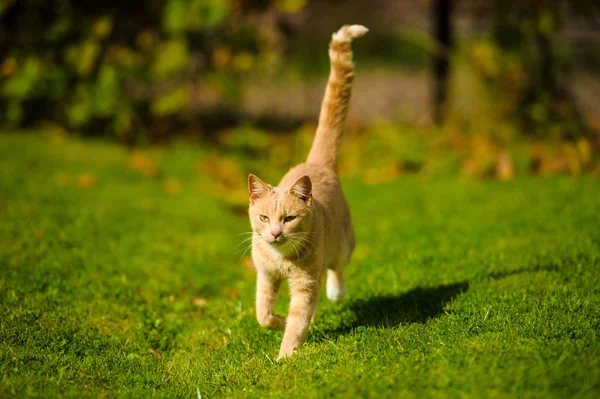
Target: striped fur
[334, 108]
[302, 227]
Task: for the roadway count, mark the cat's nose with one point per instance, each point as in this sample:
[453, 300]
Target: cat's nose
[275, 234]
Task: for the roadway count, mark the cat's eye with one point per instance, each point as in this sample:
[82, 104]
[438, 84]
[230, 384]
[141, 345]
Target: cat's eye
[289, 219]
[264, 218]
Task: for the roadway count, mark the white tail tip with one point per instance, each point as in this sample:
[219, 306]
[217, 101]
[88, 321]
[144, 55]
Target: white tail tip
[349, 32]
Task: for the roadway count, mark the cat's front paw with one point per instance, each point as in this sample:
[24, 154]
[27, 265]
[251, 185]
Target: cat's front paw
[285, 352]
[278, 323]
[272, 322]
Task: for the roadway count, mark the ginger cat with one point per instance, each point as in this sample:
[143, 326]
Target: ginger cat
[303, 226]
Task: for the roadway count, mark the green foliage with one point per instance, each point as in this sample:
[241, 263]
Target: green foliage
[524, 70]
[119, 288]
[385, 152]
[136, 70]
[184, 15]
[290, 6]
[170, 58]
[81, 66]
[170, 103]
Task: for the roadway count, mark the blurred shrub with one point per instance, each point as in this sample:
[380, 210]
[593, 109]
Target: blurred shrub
[522, 74]
[124, 68]
[514, 84]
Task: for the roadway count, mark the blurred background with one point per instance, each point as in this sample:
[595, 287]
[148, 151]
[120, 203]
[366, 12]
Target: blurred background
[488, 89]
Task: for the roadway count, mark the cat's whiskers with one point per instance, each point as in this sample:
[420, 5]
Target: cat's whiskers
[305, 239]
[300, 248]
[244, 242]
[305, 243]
[294, 248]
[246, 239]
[247, 249]
[305, 248]
[308, 249]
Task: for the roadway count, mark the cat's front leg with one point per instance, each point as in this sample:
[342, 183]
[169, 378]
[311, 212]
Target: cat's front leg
[266, 295]
[302, 308]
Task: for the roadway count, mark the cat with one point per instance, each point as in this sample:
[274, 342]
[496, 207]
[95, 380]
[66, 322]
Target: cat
[303, 226]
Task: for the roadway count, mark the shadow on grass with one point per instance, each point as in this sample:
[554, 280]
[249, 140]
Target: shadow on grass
[415, 306]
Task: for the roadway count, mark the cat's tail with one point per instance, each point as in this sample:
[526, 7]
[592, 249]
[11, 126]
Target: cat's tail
[325, 147]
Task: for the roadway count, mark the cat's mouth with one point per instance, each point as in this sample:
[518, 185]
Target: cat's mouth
[278, 241]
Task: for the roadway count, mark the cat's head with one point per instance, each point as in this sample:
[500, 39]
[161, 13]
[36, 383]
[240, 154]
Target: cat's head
[281, 216]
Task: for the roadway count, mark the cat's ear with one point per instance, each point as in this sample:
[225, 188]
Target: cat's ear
[303, 189]
[257, 188]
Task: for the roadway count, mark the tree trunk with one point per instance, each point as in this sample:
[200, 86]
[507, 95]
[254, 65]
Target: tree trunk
[442, 27]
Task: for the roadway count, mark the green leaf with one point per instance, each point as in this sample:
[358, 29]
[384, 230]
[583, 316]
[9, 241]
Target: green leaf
[5, 5]
[182, 15]
[89, 52]
[59, 29]
[208, 12]
[170, 57]
[123, 120]
[57, 81]
[107, 93]
[546, 23]
[81, 108]
[22, 84]
[174, 16]
[102, 27]
[82, 57]
[14, 112]
[170, 103]
[290, 6]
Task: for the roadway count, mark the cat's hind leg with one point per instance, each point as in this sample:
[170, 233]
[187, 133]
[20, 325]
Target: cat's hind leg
[336, 289]
[266, 296]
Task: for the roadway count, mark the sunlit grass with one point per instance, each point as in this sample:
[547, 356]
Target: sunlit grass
[121, 286]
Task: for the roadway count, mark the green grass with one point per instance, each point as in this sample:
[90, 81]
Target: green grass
[458, 288]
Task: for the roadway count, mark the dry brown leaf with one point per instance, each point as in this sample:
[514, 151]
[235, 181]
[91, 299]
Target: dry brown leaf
[225, 171]
[584, 150]
[87, 180]
[471, 167]
[553, 166]
[143, 164]
[221, 57]
[9, 66]
[505, 168]
[237, 198]
[54, 134]
[376, 176]
[572, 158]
[232, 293]
[247, 263]
[156, 353]
[38, 234]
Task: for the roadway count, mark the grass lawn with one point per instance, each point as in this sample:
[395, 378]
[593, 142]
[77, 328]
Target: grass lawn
[115, 284]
